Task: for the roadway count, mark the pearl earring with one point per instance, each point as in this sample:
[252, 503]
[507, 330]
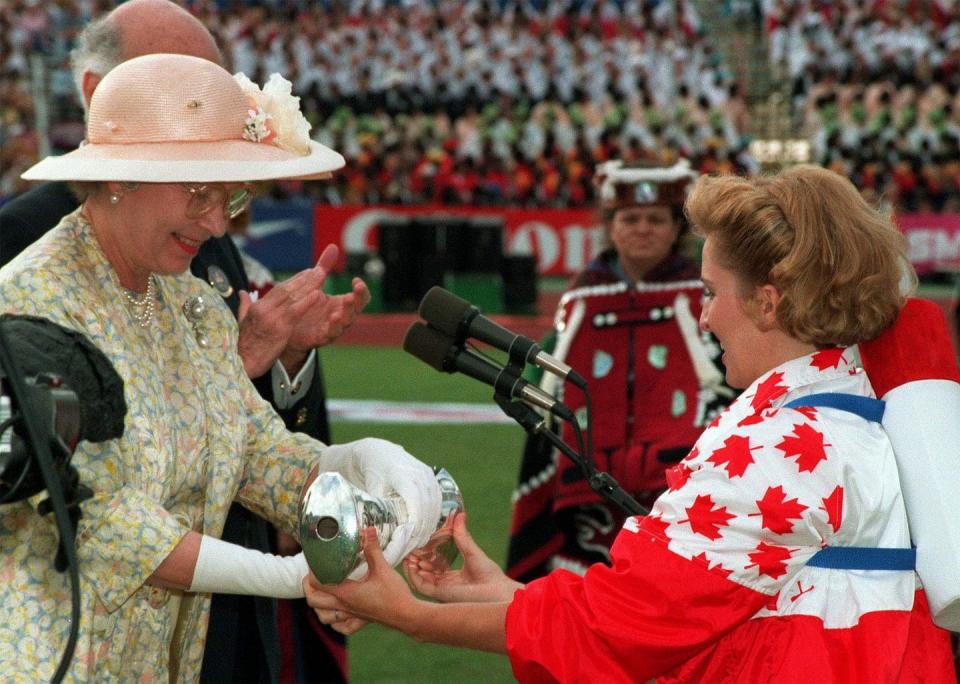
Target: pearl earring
[114, 198]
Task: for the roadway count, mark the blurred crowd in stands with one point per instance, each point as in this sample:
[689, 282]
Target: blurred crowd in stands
[489, 102]
[876, 89]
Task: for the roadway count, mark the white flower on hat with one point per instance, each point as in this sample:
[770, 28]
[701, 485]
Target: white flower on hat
[255, 127]
[274, 116]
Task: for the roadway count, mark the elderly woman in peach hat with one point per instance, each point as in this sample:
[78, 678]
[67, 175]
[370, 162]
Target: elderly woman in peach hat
[173, 145]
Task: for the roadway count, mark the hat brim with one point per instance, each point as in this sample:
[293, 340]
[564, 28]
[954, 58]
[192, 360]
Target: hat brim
[222, 161]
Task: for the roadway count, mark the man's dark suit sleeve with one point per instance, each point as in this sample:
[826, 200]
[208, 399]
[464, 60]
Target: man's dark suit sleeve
[26, 218]
[234, 651]
[309, 413]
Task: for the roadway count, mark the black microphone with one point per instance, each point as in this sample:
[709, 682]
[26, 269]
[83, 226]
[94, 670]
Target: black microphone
[442, 352]
[460, 319]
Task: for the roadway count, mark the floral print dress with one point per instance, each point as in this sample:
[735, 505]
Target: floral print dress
[197, 436]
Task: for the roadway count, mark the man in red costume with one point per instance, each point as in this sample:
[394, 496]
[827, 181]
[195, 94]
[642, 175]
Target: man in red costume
[628, 325]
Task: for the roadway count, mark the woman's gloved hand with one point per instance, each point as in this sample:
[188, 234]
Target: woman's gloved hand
[384, 469]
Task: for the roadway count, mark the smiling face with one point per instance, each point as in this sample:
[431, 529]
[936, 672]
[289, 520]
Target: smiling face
[643, 237]
[149, 230]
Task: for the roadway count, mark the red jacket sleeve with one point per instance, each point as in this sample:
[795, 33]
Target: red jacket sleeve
[650, 612]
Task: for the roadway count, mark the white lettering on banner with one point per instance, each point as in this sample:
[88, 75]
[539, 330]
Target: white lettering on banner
[574, 238]
[920, 247]
[947, 247]
[934, 245]
[563, 242]
[356, 231]
[536, 237]
[580, 245]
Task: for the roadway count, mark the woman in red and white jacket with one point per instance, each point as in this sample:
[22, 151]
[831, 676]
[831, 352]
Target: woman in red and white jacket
[781, 550]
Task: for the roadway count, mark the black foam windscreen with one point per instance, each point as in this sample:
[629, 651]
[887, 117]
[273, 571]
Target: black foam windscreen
[428, 344]
[444, 310]
[41, 346]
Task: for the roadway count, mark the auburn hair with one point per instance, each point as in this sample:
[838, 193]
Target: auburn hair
[840, 265]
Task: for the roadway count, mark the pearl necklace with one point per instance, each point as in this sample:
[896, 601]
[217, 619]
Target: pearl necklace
[143, 303]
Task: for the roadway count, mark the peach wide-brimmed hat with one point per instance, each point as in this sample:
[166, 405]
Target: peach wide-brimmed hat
[174, 118]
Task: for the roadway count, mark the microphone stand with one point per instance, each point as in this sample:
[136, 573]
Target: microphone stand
[601, 482]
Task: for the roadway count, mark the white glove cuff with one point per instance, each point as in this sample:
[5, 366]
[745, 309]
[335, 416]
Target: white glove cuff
[225, 568]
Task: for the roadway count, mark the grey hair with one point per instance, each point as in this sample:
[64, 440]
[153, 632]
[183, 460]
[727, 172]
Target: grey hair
[97, 50]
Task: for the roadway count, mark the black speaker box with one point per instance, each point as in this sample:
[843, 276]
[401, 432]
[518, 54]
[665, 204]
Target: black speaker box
[398, 251]
[519, 275]
[486, 244]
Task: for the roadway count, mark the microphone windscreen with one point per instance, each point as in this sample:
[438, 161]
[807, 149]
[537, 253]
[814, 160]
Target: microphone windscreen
[444, 310]
[427, 344]
[41, 346]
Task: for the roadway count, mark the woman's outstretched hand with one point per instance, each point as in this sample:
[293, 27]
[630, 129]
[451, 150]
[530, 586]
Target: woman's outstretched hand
[479, 580]
[382, 596]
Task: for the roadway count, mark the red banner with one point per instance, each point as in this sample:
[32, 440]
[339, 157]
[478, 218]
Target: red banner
[565, 240]
[934, 241]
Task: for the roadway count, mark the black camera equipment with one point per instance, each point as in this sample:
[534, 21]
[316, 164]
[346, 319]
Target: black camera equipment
[56, 389]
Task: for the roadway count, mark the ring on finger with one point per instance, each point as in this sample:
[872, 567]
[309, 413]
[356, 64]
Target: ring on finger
[336, 616]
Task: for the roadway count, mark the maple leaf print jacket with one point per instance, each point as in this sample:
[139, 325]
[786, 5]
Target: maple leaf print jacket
[714, 584]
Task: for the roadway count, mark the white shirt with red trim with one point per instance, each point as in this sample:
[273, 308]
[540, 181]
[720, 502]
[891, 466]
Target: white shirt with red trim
[714, 584]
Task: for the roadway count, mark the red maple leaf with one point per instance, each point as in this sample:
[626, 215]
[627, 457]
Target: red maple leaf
[806, 444]
[655, 526]
[677, 476]
[768, 390]
[752, 419]
[827, 358]
[770, 560]
[809, 411]
[722, 571]
[702, 560]
[833, 505]
[777, 510]
[735, 454]
[706, 518]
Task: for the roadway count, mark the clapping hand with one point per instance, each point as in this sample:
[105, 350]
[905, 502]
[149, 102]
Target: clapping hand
[326, 320]
[294, 317]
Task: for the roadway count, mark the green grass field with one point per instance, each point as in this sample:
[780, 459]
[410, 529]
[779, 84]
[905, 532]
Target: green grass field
[483, 459]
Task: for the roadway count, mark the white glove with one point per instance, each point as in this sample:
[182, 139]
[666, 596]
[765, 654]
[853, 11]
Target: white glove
[225, 568]
[385, 469]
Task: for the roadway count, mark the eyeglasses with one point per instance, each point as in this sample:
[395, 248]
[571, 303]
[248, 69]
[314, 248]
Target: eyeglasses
[204, 198]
